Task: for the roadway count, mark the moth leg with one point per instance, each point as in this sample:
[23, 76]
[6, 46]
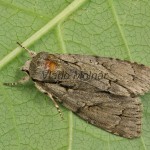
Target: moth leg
[21, 81]
[50, 95]
[56, 105]
[31, 53]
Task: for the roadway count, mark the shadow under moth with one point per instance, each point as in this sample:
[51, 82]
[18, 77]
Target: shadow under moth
[102, 91]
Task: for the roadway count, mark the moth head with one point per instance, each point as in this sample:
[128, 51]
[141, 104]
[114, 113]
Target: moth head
[44, 66]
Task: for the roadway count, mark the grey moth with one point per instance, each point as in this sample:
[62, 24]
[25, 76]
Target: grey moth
[103, 91]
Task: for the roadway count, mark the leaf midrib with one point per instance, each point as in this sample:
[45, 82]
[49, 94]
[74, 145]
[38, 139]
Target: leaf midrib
[50, 25]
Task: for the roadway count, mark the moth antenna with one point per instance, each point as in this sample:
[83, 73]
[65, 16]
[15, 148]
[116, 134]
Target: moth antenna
[11, 84]
[21, 81]
[56, 105]
[31, 53]
[51, 97]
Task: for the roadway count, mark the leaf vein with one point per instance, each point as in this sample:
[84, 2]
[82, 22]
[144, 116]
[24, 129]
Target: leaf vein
[119, 28]
[50, 25]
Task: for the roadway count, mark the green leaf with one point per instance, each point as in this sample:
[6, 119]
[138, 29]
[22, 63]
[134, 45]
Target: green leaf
[28, 119]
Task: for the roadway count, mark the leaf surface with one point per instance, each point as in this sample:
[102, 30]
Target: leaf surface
[28, 119]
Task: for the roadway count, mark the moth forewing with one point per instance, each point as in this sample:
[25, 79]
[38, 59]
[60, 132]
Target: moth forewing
[116, 114]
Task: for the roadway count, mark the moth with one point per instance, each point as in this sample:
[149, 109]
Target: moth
[103, 91]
